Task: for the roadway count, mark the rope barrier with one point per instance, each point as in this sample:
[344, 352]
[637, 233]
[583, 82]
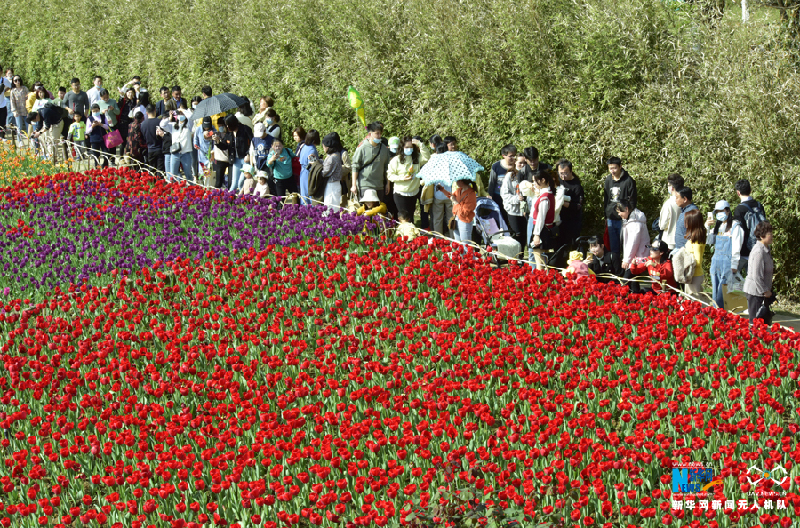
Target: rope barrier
[141, 166]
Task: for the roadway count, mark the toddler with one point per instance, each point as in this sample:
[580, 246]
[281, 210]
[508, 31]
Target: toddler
[77, 134]
[249, 183]
[262, 187]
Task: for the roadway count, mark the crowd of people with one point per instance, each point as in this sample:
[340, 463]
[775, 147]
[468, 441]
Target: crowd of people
[244, 151]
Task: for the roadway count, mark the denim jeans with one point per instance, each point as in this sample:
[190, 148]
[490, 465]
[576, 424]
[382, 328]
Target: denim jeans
[720, 268]
[463, 233]
[182, 159]
[614, 235]
[195, 164]
[22, 124]
[237, 177]
[168, 166]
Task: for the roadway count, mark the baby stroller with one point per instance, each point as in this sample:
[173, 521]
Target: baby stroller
[489, 229]
[557, 257]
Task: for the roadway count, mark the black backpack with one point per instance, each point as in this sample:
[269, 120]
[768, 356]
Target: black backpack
[316, 183]
[755, 215]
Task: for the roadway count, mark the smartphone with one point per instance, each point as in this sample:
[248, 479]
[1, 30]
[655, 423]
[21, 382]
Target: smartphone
[710, 216]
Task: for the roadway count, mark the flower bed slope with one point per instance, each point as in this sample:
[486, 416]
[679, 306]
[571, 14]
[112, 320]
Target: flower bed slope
[346, 382]
[70, 227]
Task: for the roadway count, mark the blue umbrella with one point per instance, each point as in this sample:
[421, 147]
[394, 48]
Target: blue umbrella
[448, 167]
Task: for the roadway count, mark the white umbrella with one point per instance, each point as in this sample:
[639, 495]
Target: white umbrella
[448, 167]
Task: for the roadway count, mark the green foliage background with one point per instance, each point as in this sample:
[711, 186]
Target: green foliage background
[642, 79]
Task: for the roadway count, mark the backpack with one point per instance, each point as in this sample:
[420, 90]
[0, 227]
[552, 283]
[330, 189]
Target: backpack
[347, 165]
[272, 129]
[754, 216]
[316, 183]
[683, 264]
[296, 167]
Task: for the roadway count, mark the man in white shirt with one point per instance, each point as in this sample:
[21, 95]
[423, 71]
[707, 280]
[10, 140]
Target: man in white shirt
[668, 220]
[135, 82]
[94, 92]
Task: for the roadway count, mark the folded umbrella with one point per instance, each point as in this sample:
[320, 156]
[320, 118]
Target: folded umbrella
[449, 167]
[217, 104]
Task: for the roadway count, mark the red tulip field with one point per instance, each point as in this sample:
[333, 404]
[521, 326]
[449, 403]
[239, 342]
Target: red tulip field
[350, 380]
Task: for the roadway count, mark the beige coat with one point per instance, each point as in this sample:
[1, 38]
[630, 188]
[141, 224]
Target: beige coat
[19, 96]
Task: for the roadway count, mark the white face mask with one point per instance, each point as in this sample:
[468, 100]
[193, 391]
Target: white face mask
[194, 105]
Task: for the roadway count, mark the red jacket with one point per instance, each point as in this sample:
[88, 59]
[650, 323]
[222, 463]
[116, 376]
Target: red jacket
[659, 273]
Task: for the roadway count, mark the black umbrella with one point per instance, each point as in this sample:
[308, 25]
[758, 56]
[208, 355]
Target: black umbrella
[217, 104]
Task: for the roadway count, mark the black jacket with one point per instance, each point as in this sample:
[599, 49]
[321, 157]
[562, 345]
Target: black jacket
[574, 190]
[51, 115]
[237, 146]
[149, 132]
[614, 191]
[166, 143]
[603, 265]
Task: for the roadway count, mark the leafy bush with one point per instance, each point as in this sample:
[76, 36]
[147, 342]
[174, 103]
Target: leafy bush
[582, 79]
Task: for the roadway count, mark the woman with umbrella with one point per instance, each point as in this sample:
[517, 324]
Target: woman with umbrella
[464, 199]
[441, 171]
[237, 143]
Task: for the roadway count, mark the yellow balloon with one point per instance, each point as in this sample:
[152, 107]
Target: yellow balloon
[354, 97]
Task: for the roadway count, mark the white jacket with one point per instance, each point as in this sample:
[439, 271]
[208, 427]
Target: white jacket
[182, 137]
[635, 237]
[559, 201]
[668, 221]
[508, 192]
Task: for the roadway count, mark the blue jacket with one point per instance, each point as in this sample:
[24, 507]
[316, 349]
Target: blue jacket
[680, 228]
[204, 145]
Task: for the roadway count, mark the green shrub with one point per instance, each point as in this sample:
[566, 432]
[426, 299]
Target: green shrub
[580, 79]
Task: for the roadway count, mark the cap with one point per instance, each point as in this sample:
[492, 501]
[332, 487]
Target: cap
[370, 195]
[259, 130]
[247, 168]
[722, 205]
[262, 174]
[207, 124]
[658, 245]
[394, 142]
[331, 140]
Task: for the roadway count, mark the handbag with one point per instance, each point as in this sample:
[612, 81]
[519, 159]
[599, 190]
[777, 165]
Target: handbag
[113, 139]
[547, 237]
[764, 312]
[352, 203]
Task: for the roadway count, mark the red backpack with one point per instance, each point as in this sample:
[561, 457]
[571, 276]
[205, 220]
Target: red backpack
[296, 168]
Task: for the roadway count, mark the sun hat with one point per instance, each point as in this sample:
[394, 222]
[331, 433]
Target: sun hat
[722, 205]
[247, 168]
[262, 174]
[370, 195]
[526, 188]
[259, 130]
